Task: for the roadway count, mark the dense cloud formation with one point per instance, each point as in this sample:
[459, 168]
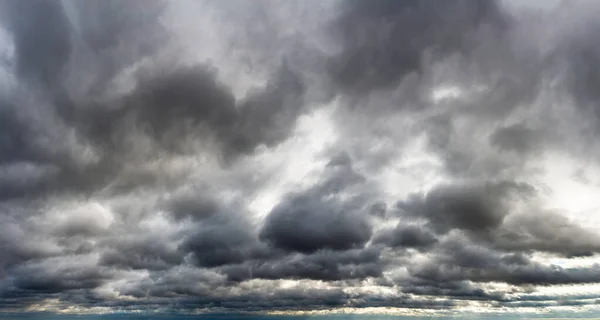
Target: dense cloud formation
[226, 156]
[383, 41]
[317, 219]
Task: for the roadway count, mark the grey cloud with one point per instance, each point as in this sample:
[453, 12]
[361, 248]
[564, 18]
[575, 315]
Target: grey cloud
[407, 236]
[326, 265]
[456, 290]
[107, 104]
[486, 212]
[307, 224]
[517, 138]
[196, 203]
[382, 41]
[577, 56]
[316, 219]
[14, 138]
[46, 56]
[13, 249]
[268, 116]
[223, 239]
[115, 33]
[173, 106]
[178, 280]
[210, 248]
[169, 109]
[195, 288]
[42, 39]
[460, 260]
[547, 231]
[476, 207]
[141, 254]
[51, 276]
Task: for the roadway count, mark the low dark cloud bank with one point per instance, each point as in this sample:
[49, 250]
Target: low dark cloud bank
[137, 137]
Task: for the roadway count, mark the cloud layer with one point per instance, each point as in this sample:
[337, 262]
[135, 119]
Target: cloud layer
[286, 156]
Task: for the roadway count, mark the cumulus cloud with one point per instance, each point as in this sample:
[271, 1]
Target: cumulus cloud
[317, 219]
[198, 156]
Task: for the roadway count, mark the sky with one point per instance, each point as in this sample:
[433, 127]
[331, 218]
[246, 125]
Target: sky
[414, 157]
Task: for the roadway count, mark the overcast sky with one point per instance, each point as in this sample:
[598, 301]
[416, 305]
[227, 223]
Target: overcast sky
[299, 156]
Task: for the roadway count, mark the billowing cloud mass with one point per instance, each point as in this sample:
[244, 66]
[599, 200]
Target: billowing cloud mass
[283, 156]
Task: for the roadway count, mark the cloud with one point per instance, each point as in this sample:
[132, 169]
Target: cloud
[41, 36]
[141, 254]
[305, 225]
[314, 219]
[326, 265]
[490, 212]
[220, 244]
[459, 260]
[479, 207]
[407, 236]
[292, 156]
[516, 138]
[555, 234]
[56, 276]
[384, 41]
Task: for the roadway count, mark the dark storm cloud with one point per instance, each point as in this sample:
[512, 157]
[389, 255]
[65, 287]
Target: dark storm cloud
[536, 300]
[134, 174]
[476, 207]
[459, 260]
[517, 138]
[547, 231]
[223, 239]
[42, 38]
[456, 290]
[170, 106]
[50, 276]
[213, 246]
[47, 55]
[175, 108]
[579, 56]
[290, 299]
[114, 34]
[14, 249]
[141, 254]
[195, 203]
[317, 219]
[308, 223]
[486, 212]
[408, 236]
[326, 265]
[328, 248]
[382, 41]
